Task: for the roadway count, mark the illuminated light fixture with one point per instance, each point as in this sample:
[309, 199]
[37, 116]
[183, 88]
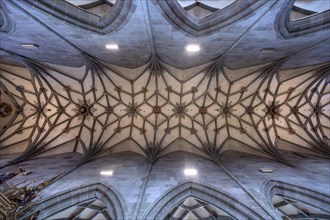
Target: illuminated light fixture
[190, 172]
[267, 50]
[265, 170]
[107, 173]
[193, 48]
[30, 45]
[112, 46]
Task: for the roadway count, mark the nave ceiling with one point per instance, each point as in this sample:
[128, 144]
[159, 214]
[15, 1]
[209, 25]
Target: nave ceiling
[259, 84]
[157, 109]
[65, 31]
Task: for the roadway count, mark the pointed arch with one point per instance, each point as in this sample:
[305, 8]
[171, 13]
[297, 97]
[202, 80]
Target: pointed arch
[110, 22]
[309, 24]
[296, 193]
[160, 208]
[180, 18]
[110, 197]
[7, 23]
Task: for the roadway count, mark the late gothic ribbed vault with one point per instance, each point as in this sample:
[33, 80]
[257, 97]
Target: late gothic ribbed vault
[102, 103]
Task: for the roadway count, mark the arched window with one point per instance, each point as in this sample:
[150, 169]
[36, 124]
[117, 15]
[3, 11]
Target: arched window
[186, 199]
[199, 18]
[95, 201]
[92, 209]
[192, 208]
[302, 8]
[291, 209]
[299, 17]
[97, 7]
[203, 8]
[102, 16]
[6, 19]
[294, 202]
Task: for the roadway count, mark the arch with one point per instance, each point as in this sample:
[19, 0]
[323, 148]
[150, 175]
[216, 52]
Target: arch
[313, 23]
[7, 23]
[70, 13]
[179, 17]
[297, 193]
[110, 197]
[217, 198]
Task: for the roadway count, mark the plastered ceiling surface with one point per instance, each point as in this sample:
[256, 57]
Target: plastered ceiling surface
[95, 110]
[259, 84]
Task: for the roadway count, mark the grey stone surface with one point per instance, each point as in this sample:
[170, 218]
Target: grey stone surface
[312, 172]
[42, 169]
[167, 174]
[145, 31]
[240, 42]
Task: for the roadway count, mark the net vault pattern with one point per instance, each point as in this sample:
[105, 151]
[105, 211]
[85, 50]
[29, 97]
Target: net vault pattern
[192, 208]
[91, 210]
[156, 109]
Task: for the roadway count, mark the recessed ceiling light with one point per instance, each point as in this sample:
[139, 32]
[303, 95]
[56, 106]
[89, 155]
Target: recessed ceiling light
[265, 170]
[190, 172]
[112, 46]
[107, 173]
[30, 45]
[267, 50]
[193, 48]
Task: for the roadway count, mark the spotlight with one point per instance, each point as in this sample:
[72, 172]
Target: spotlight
[112, 46]
[193, 48]
[190, 172]
[107, 173]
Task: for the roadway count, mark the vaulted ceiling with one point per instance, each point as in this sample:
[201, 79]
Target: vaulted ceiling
[246, 33]
[260, 83]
